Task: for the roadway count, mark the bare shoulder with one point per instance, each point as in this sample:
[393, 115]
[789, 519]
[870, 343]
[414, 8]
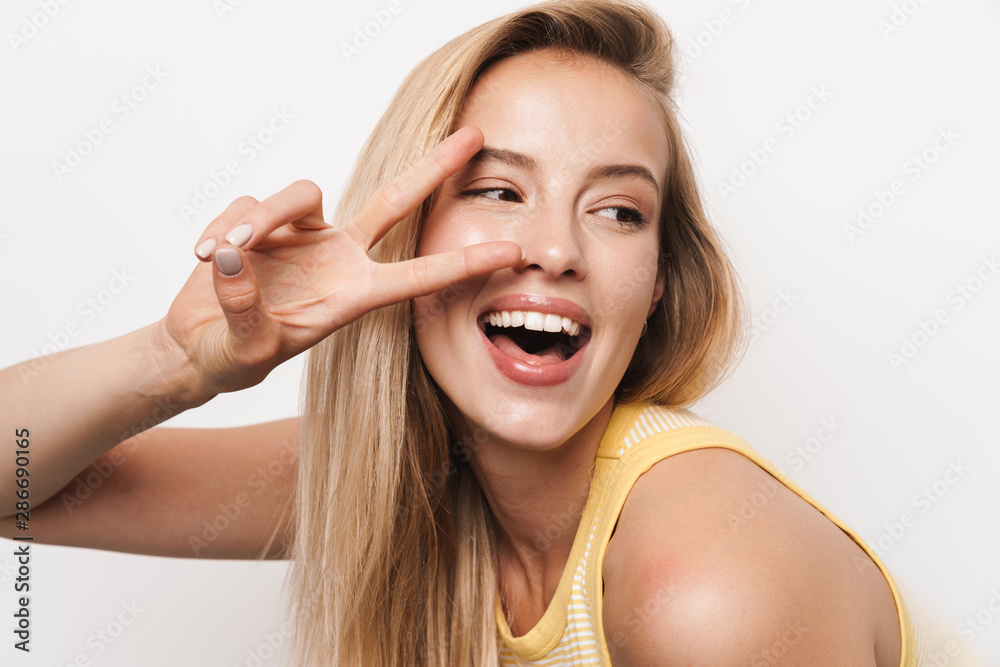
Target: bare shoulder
[715, 562]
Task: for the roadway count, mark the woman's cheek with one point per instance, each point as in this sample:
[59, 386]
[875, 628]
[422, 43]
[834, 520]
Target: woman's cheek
[635, 280]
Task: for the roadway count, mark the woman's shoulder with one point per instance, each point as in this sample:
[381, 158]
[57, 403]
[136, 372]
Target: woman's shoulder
[713, 561]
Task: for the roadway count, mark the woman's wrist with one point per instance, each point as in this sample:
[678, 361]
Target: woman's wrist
[175, 378]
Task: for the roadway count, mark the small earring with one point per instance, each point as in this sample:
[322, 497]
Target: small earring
[645, 327]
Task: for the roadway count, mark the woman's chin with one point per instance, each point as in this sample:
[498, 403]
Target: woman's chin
[525, 425]
[533, 438]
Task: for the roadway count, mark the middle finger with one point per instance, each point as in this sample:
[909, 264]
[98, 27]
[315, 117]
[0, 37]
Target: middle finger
[399, 197]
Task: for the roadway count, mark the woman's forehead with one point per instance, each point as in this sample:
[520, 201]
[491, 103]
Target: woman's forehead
[567, 107]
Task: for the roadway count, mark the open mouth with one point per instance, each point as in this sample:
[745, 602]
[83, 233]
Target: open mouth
[533, 337]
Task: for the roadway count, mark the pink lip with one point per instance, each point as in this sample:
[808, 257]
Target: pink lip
[519, 371]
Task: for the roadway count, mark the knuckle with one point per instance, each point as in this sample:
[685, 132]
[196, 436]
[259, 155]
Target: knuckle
[245, 201]
[392, 195]
[308, 190]
[435, 161]
[421, 274]
[468, 262]
[264, 210]
[438, 163]
[239, 302]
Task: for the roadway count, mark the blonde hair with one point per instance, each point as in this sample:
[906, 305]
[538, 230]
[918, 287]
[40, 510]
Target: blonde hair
[394, 545]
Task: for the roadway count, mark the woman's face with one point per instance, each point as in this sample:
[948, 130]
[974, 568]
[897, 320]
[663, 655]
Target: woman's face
[573, 171]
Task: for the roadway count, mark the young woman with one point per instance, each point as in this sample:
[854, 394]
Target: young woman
[495, 462]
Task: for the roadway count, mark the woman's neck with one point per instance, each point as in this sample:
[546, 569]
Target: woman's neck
[537, 499]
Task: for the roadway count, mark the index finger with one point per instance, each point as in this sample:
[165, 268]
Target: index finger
[399, 281]
[396, 199]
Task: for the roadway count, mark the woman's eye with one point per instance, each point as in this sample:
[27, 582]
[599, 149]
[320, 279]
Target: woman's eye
[499, 194]
[624, 215]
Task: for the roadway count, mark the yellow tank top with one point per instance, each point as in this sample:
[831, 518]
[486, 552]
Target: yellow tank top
[570, 631]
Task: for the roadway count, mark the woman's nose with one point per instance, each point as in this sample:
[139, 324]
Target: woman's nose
[550, 237]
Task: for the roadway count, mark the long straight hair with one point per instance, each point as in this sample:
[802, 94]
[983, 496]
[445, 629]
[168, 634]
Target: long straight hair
[394, 543]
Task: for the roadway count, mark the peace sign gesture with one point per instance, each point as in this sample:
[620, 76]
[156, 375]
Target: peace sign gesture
[275, 278]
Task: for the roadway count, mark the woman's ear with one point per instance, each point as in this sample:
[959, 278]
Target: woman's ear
[658, 287]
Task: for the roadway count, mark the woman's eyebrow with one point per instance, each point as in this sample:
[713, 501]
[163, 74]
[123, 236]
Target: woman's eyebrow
[504, 156]
[619, 170]
[527, 163]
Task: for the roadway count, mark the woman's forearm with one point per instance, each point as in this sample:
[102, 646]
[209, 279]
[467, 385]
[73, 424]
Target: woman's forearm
[69, 408]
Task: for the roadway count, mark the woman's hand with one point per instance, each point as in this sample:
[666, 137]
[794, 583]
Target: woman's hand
[275, 279]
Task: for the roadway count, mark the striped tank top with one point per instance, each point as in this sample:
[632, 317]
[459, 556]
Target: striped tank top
[637, 436]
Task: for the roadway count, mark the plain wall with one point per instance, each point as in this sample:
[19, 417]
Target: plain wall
[811, 113]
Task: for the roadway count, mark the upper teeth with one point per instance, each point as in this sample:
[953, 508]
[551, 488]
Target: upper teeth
[534, 321]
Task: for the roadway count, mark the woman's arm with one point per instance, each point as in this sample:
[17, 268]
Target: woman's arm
[195, 493]
[689, 580]
[67, 409]
[101, 476]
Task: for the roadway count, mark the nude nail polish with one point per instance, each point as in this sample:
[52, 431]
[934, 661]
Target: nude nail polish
[239, 236]
[229, 262]
[205, 248]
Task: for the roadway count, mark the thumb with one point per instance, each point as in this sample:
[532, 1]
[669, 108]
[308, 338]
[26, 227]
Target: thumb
[239, 296]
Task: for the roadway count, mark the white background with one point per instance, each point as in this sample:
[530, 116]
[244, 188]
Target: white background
[826, 356]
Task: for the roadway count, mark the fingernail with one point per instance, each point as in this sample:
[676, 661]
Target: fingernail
[239, 236]
[205, 248]
[229, 261]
